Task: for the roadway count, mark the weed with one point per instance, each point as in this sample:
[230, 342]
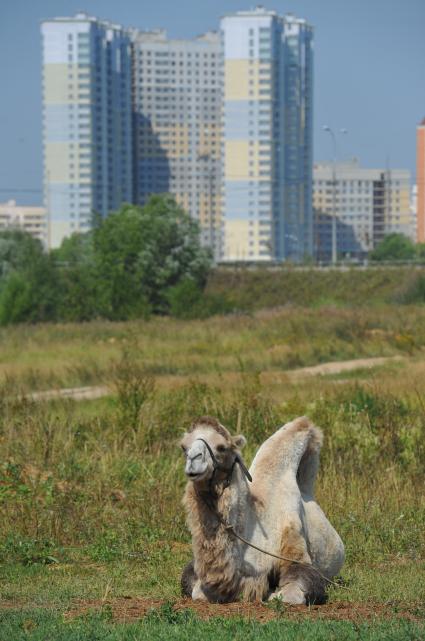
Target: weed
[278, 606]
[28, 551]
[166, 613]
[134, 387]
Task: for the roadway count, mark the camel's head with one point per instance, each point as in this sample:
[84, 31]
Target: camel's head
[210, 450]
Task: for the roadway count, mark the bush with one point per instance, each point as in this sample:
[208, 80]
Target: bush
[188, 301]
[394, 247]
[15, 299]
[413, 291]
[184, 299]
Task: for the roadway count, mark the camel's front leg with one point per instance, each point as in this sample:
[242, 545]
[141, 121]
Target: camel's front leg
[189, 582]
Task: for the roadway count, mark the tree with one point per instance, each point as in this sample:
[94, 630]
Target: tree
[81, 282]
[29, 287]
[18, 250]
[15, 299]
[75, 249]
[124, 268]
[394, 247]
[142, 252]
[420, 251]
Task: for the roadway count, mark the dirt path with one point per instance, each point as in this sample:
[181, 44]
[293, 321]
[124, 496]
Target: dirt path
[335, 367]
[76, 393]
[131, 608]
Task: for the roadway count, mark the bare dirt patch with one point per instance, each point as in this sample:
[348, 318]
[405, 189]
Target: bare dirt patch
[130, 608]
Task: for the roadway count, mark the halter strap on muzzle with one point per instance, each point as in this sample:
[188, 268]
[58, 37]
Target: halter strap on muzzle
[217, 465]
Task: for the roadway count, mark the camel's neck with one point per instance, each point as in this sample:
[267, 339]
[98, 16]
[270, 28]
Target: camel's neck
[211, 506]
[215, 549]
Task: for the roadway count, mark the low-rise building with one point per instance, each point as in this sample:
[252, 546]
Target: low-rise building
[31, 219]
[414, 212]
[420, 181]
[372, 202]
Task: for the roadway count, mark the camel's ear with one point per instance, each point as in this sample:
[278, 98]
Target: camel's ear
[239, 441]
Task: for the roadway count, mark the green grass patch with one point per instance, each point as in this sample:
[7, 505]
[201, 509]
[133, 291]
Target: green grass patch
[90, 493]
[250, 289]
[168, 624]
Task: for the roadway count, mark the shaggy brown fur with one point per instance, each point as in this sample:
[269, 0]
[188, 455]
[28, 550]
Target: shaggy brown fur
[188, 579]
[209, 421]
[213, 547]
[293, 544]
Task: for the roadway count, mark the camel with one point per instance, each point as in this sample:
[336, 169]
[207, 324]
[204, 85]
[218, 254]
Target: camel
[276, 512]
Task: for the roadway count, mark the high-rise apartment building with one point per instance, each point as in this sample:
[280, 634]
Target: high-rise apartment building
[267, 136]
[369, 204]
[222, 122]
[177, 114]
[420, 181]
[87, 126]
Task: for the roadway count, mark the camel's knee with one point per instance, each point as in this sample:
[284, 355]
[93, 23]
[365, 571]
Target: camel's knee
[197, 593]
[291, 594]
[302, 584]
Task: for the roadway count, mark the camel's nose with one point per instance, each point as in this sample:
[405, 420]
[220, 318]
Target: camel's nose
[196, 461]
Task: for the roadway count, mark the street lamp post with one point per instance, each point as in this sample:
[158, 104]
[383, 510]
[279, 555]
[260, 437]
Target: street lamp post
[209, 174]
[334, 225]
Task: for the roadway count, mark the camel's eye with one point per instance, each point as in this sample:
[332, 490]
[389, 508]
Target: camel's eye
[221, 448]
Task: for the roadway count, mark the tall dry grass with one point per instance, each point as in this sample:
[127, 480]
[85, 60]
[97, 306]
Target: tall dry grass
[46, 356]
[108, 478]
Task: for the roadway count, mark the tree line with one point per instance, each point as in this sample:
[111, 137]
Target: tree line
[136, 262]
[398, 247]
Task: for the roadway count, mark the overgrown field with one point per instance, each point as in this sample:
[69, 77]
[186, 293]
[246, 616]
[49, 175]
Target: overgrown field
[90, 492]
[46, 356]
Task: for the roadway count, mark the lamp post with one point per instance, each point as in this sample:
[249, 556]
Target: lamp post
[334, 226]
[209, 174]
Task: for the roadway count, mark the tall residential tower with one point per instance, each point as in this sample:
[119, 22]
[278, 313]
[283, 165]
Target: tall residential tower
[87, 128]
[177, 112]
[267, 136]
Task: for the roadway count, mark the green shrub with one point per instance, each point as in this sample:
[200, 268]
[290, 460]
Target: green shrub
[188, 301]
[413, 291]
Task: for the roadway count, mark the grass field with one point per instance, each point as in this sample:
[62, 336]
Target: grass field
[46, 356]
[92, 534]
[253, 289]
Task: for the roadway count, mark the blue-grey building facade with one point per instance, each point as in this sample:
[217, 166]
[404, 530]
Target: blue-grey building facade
[177, 124]
[267, 137]
[87, 126]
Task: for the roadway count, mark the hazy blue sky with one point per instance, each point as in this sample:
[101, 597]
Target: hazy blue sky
[369, 72]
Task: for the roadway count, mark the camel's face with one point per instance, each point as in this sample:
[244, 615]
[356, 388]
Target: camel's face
[199, 462]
